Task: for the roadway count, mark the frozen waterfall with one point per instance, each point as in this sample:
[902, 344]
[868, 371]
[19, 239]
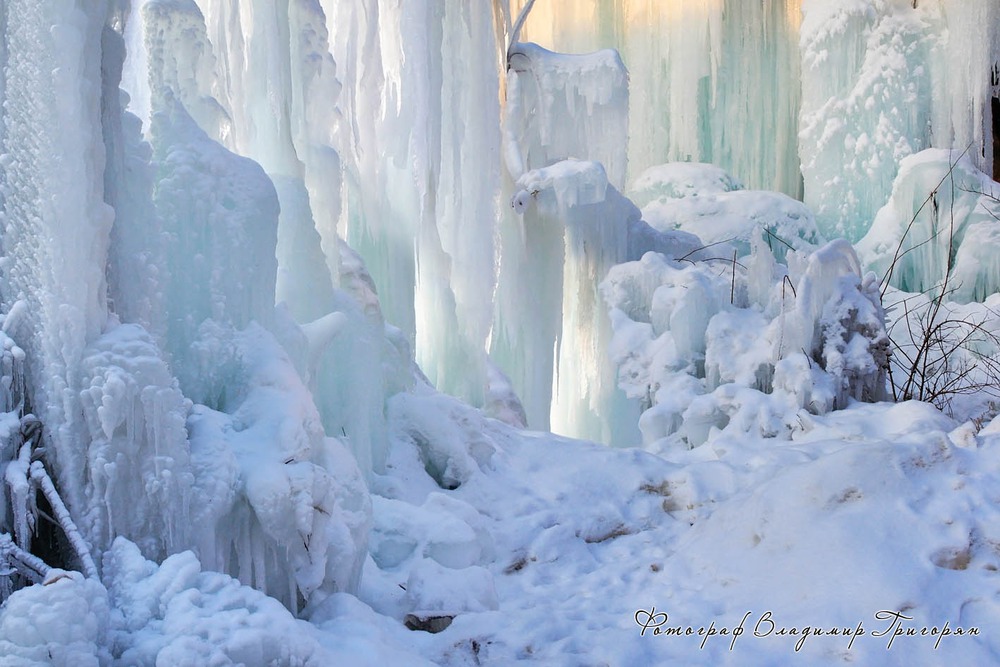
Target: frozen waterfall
[241, 237]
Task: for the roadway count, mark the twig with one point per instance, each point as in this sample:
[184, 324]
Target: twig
[28, 564]
[40, 477]
[732, 289]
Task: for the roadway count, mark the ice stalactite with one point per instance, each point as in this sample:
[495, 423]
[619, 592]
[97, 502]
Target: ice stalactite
[258, 450]
[566, 106]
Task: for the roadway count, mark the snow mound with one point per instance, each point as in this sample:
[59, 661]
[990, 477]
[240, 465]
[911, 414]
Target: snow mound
[705, 201]
[174, 613]
[64, 621]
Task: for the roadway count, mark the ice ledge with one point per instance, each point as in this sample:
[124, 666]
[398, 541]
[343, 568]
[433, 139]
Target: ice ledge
[570, 182]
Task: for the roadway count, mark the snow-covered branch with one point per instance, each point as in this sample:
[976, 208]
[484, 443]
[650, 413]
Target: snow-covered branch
[40, 477]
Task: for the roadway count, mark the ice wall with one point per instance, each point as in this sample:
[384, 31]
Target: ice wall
[843, 89]
[711, 81]
[55, 222]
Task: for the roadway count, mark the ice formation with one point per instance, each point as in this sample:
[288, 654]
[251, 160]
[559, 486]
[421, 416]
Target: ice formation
[283, 283]
[938, 228]
[714, 81]
[882, 81]
[762, 88]
[188, 426]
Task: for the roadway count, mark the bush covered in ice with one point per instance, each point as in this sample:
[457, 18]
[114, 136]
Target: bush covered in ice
[746, 344]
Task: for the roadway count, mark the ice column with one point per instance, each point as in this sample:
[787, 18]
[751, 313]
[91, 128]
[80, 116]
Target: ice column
[551, 333]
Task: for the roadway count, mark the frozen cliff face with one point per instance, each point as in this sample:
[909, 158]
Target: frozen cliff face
[188, 426]
[55, 224]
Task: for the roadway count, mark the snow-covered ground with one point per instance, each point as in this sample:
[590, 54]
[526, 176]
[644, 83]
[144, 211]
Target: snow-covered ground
[369, 333]
[872, 520]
